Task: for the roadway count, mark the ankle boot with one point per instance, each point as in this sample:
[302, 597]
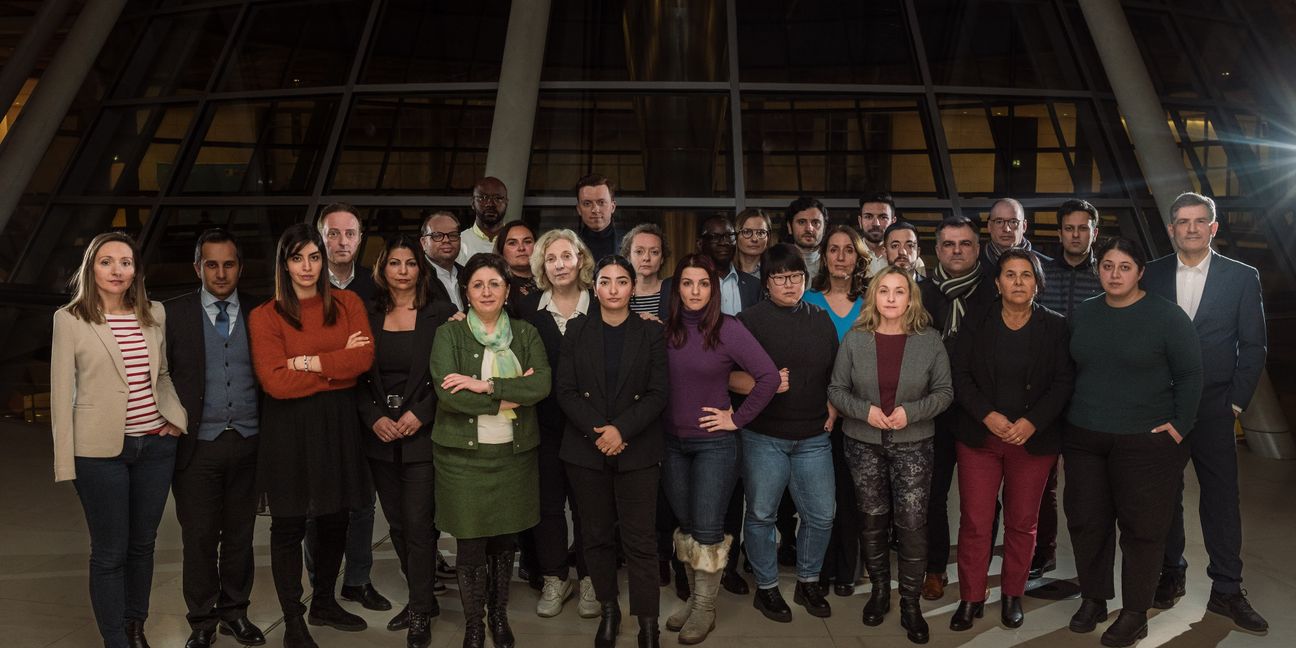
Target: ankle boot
[472, 593]
[966, 612]
[708, 567]
[685, 546]
[649, 635]
[609, 625]
[1010, 611]
[135, 634]
[876, 549]
[497, 594]
[419, 634]
[911, 619]
[296, 635]
[1128, 628]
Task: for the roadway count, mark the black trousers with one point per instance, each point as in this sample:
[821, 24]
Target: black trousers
[842, 559]
[286, 535]
[550, 535]
[944, 459]
[733, 523]
[405, 491]
[216, 501]
[1047, 527]
[609, 500]
[1125, 481]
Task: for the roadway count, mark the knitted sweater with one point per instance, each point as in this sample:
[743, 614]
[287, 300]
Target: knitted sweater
[274, 340]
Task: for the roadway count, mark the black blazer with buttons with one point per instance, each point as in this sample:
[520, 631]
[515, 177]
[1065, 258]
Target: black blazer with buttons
[548, 412]
[1050, 378]
[419, 396]
[634, 404]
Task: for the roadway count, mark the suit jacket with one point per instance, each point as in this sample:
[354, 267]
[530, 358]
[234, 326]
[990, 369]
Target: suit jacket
[438, 289]
[924, 389]
[1230, 323]
[363, 284]
[549, 412]
[749, 293]
[419, 396]
[634, 404]
[88, 388]
[187, 359]
[1049, 381]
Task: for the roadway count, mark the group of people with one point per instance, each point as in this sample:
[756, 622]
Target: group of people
[800, 403]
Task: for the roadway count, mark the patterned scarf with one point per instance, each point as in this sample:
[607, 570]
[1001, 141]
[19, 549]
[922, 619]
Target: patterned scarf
[993, 252]
[506, 362]
[956, 290]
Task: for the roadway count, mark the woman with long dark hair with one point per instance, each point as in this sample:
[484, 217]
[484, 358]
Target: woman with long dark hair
[309, 344]
[703, 451]
[115, 417]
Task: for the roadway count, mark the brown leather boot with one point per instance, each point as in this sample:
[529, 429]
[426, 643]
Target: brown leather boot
[934, 586]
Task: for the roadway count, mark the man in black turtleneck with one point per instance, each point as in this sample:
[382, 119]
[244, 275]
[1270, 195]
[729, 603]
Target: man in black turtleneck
[595, 205]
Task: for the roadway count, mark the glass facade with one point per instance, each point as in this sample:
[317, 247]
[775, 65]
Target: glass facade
[253, 113]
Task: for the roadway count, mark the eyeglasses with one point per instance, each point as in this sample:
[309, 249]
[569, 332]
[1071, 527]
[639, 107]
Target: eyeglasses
[1010, 224]
[437, 237]
[749, 233]
[795, 279]
[498, 199]
[727, 237]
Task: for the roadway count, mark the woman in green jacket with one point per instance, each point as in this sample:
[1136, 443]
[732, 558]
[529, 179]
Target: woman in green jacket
[489, 370]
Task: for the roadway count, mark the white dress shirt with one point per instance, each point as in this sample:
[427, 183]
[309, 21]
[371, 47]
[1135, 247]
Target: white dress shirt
[730, 295]
[450, 279]
[209, 306]
[1189, 283]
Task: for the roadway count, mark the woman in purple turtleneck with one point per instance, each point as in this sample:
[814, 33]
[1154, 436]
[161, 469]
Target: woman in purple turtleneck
[702, 449]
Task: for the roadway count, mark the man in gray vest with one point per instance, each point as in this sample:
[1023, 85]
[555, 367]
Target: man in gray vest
[215, 472]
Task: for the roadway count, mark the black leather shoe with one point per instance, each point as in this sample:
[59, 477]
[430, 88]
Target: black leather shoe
[649, 633]
[135, 634]
[1091, 613]
[400, 621]
[1236, 607]
[1170, 588]
[443, 568]
[609, 625]
[296, 635]
[844, 589]
[1010, 611]
[770, 603]
[420, 630]
[787, 555]
[366, 596]
[810, 596]
[1126, 631]
[243, 631]
[879, 603]
[734, 584]
[1042, 564]
[966, 612]
[328, 612]
[200, 639]
[911, 619]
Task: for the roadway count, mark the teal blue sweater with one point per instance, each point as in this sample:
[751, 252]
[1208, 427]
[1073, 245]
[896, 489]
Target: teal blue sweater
[1136, 367]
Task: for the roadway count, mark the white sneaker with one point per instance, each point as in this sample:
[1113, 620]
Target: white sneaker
[552, 596]
[588, 607]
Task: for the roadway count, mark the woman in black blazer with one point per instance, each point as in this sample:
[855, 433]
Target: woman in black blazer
[1013, 376]
[397, 405]
[612, 386]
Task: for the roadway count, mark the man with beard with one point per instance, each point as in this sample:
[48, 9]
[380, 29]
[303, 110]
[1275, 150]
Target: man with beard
[489, 204]
[1007, 227]
[877, 212]
[806, 220]
[901, 241]
[738, 290]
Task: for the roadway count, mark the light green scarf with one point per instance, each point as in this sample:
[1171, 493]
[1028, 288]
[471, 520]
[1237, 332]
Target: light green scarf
[506, 362]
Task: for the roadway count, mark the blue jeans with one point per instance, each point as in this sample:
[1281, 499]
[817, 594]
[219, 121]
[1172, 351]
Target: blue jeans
[123, 498]
[805, 468]
[698, 475]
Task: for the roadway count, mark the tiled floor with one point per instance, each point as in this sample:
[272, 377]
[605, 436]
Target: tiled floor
[44, 600]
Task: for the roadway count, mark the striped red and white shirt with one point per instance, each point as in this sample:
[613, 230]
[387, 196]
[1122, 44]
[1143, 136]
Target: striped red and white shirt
[142, 415]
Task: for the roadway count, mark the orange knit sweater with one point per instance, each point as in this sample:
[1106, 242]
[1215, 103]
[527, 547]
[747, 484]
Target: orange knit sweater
[274, 341]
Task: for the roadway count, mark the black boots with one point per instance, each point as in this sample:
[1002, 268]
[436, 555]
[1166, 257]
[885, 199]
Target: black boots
[325, 610]
[473, 581]
[135, 634]
[966, 612]
[649, 633]
[1010, 611]
[1126, 631]
[296, 635]
[501, 572]
[911, 619]
[811, 597]
[609, 625]
[1091, 613]
[769, 601]
[420, 630]
[875, 545]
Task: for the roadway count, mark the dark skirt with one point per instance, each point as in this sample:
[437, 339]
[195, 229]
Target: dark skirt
[486, 492]
[311, 461]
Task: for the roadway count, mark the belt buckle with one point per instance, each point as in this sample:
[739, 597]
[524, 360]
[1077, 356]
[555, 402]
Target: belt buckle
[395, 401]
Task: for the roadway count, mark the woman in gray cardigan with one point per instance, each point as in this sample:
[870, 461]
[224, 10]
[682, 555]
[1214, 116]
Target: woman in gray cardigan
[891, 378]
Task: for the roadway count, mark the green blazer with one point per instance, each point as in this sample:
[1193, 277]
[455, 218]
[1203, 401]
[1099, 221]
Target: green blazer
[455, 350]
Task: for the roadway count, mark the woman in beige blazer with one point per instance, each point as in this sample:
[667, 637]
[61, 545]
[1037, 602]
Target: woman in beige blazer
[115, 416]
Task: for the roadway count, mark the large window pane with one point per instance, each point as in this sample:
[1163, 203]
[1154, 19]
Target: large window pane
[424, 41]
[997, 43]
[1230, 61]
[1163, 53]
[297, 44]
[257, 229]
[28, 330]
[396, 144]
[54, 251]
[177, 54]
[130, 152]
[629, 40]
[261, 147]
[836, 146]
[821, 41]
[650, 144]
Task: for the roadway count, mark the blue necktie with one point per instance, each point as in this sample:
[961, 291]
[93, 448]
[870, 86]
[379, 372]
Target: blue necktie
[222, 320]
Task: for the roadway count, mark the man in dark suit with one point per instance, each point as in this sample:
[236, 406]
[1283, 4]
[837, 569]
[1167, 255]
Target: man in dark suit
[1222, 297]
[441, 239]
[717, 239]
[215, 476]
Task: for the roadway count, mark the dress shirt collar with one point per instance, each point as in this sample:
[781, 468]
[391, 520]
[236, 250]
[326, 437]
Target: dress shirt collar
[582, 303]
[1201, 268]
[340, 283]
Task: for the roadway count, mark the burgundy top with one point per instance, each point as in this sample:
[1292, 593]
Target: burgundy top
[890, 353]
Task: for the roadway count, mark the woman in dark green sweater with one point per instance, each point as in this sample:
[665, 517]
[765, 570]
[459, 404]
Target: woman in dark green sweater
[1138, 380]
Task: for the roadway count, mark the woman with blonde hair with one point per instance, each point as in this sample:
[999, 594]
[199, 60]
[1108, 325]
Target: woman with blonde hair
[891, 378]
[646, 248]
[115, 417]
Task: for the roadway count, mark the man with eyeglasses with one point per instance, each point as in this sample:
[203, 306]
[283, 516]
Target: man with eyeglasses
[753, 239]
[1007, 226]
[489, 204]
[806, 220]
[441, 242]
[595, 205]
[877, 212]
[340, 228]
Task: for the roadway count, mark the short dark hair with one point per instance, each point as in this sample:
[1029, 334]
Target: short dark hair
[333, 208]
[616, 260]
[958, 221]
[216, 235]
[594, 180]
[782, 257]
[504, 232]
[879, 197]
[801, 204]
[897, 226]
[477, 262]
[1077, 205]
[1122, 244]
[714, 218]
[1025, 255]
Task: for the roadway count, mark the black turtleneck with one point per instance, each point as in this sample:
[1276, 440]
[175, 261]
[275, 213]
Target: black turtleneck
[802, 339]
[602, 243]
